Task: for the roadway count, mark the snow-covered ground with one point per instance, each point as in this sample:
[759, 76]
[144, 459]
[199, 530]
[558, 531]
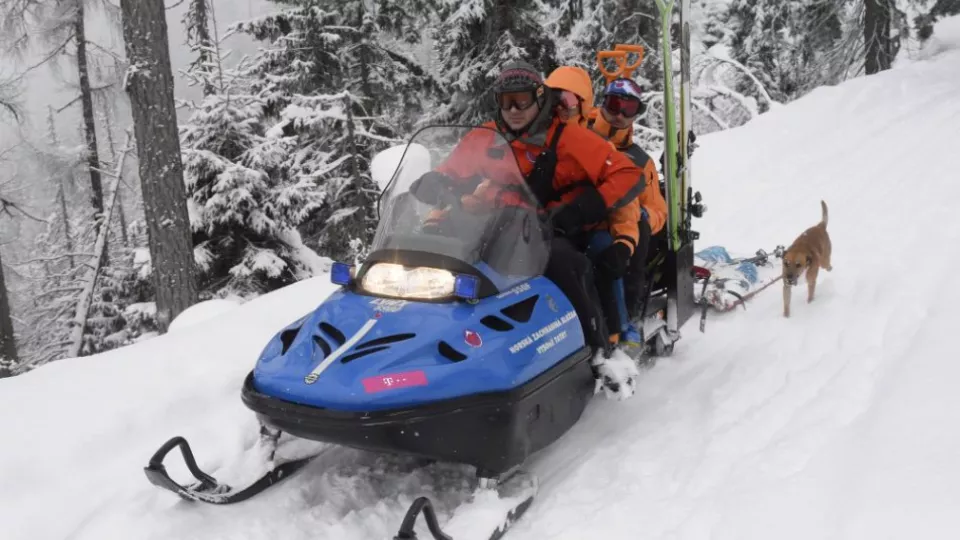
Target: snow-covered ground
[840, 422]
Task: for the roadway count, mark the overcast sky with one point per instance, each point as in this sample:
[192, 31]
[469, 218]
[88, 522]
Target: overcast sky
[43, 89]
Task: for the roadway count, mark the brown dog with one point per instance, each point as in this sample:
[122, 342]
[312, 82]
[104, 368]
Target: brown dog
[810, 252]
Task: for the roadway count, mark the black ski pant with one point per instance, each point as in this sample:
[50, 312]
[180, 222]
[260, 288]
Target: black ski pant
[571, 270]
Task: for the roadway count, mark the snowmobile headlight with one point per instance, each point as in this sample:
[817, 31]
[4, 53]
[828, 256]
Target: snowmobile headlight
[421, 282]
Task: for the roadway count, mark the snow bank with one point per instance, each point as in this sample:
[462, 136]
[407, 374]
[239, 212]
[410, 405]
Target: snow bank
[202, 312]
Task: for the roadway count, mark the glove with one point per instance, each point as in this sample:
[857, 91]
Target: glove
[587, 208]
[612, 262]
[426, 189]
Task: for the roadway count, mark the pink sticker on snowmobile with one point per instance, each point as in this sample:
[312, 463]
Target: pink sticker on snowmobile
[394, 380]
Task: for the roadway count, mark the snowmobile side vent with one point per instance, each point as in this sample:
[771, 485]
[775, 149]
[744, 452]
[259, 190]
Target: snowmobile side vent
[332, 331]
[361, 354]
[522, 310]
[450, 353]
[496, 323]
[322, 343]
[385, 340]
[287, 337]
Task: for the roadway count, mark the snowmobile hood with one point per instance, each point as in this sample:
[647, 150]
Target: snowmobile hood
[357, 352]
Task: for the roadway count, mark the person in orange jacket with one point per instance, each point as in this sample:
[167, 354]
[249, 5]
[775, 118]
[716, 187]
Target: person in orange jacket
[570, 169]
[630, 226]
[612, 242]
[622, 103]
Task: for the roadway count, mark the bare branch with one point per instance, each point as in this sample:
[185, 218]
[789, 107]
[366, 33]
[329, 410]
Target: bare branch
[53, 258]
[6, 205]
[48, 57]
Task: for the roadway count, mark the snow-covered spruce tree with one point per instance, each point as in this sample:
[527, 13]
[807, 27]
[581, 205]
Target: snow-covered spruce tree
[474, 40]
[333, 95]
[582, 28]
[123, 307]
[243, 206]
[786, 44]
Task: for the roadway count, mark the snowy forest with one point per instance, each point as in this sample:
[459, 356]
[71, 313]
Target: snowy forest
[147, 186]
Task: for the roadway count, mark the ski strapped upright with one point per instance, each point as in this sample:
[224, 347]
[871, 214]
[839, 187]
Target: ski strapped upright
[682, 203]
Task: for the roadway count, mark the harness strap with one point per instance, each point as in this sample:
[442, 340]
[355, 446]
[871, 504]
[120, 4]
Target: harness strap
[540, 178]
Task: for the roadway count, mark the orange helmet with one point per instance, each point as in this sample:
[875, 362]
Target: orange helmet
[573, 79]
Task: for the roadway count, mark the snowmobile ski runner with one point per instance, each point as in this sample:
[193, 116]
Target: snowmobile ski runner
[206, 488]
[517, 491]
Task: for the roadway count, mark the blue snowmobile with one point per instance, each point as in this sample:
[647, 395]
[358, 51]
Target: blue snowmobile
[447, 343]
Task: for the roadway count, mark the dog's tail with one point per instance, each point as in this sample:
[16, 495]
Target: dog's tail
[826, 215]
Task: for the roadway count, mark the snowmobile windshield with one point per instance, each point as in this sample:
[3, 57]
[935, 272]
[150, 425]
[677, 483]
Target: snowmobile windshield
[456, 204]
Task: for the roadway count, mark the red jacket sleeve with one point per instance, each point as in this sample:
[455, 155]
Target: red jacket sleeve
[464, 164]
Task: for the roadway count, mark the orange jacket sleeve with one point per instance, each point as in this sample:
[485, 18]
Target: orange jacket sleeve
[652, 200]
[618, 179]
[624, 224]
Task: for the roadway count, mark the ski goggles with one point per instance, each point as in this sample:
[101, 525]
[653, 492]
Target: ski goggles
[628, 107]
[519, 100]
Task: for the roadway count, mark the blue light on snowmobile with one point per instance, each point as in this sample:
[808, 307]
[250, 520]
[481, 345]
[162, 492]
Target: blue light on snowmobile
[466, 287]
[341, 273]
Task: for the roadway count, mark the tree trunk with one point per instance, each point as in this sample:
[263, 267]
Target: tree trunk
[121, 214]
[89, 126]
[198, 12]
[8, 343]
[67, 233]
[877, 20]
[150, 86]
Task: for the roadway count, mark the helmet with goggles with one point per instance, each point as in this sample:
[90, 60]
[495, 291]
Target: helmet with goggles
[519, 85]
[623, 96]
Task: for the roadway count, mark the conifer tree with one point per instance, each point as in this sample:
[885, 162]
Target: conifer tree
[476, 38]
[335, 95]
[786, 44]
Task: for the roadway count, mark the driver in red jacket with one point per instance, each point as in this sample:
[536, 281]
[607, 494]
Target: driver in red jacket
[567, 166]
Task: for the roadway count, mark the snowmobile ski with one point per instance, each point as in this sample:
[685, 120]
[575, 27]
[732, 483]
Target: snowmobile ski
[516, 494]
[207, 489]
